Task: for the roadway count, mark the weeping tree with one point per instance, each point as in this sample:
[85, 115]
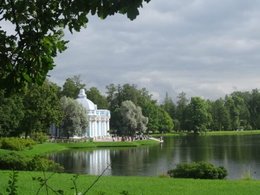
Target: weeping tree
[74, 121]
[132, 120]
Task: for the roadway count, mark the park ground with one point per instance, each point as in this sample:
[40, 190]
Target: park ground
[112, 185]
[125, 185]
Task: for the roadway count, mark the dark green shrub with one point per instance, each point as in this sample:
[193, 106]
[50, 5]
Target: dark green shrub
[38, 163]
[13, 161]
[198, 170]
[39, 137]
[17, 144]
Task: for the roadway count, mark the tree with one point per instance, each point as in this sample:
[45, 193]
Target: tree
[198, 117]
[95, 96]
[42, 108]
[254, 109]
[140, 97]
[133, 120]
[220, 116]
[233, 112]
[169, 106]
[27, 54]
[11, 113]
[72, 86]
[74, 121]
[165, 122]
[180, 110]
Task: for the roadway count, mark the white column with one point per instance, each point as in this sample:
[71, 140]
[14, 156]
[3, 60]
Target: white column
[102, 129]
[89, 128]
[92, 129]
[99, 127]
[105, 127]
[99, 130]
[95, 132]
[95, 129]
[108, 128]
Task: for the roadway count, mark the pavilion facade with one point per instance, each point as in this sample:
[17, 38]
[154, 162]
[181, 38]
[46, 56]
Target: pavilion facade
[98, 119]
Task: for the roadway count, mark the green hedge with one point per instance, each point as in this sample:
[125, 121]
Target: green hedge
[39, 137]
[17, 144]
[15, 161]
[198, 170]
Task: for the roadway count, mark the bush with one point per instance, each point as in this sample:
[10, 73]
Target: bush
[15, 161]
[42, 164]
[39, 137]
[199, 170]
[17, 144]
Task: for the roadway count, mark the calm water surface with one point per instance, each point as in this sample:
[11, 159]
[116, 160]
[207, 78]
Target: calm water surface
[238, 154]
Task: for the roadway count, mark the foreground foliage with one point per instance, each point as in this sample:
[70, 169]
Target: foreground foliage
[27, 54]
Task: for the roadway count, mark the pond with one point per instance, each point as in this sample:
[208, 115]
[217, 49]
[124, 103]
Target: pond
[240, 155]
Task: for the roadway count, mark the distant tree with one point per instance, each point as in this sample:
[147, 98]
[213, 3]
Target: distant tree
[11, 113]
[165, 122]
[133, 120]
[74, 121]
[220, 116]
[150, 110]
[242, 102]
[182, 103]
[140, 97]
[233, 110]
[42, 108]
[95, 96]
[169, 106]
[198, 116]
[254, 108]
[72, 86]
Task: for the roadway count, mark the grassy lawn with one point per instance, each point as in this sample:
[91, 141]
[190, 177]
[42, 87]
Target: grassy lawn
[44, 148]
[112, 185]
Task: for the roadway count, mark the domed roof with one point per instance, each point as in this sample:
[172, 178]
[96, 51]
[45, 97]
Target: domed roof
[84, 101]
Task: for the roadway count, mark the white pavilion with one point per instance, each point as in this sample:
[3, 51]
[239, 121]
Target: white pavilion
[98, 119]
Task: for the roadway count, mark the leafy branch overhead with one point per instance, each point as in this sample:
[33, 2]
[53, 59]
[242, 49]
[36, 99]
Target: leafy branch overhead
[27, 53]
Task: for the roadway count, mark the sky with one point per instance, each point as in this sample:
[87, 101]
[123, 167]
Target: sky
[205, 48]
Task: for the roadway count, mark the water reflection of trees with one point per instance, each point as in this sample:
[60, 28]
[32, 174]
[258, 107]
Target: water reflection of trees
[131, 161]
[206, 148]
[236, 153]
[78, 161]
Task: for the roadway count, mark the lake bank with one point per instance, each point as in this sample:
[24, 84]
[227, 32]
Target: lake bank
[41, 149]
[133, 185]
[211, 133]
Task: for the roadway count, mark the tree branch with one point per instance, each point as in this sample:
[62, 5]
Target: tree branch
[15, 19]
[96, 180]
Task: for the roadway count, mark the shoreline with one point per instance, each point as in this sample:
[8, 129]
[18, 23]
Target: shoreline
[210, 133]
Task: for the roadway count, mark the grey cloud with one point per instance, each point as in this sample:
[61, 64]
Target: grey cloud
[205, 48]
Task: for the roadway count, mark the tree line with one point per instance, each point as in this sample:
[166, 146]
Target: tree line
[133, 110]
[237, 111]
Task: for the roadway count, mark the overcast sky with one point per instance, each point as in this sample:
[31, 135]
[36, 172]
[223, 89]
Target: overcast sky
[205, 48]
